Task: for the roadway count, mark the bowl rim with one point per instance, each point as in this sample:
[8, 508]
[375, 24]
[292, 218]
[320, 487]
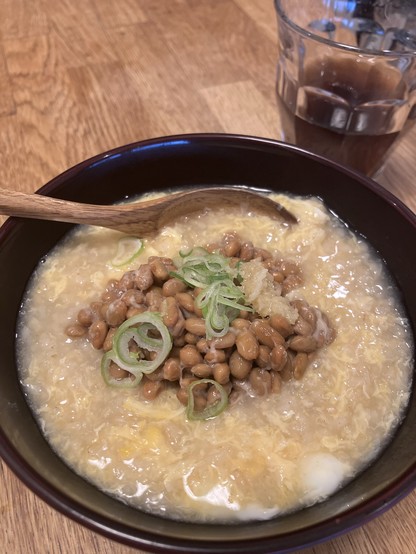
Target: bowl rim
[185, 138]
[152, 541]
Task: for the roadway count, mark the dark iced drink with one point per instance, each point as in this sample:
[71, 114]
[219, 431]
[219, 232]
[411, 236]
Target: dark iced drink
[349, 110]
[346, 77]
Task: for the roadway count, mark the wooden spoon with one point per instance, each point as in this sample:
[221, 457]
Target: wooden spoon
[140, 218]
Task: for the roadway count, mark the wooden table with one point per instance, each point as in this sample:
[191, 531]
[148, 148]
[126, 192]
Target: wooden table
[79, 77]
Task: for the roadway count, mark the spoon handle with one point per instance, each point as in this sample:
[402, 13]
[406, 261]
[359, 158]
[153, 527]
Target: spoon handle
[140, 217]
[38, 206]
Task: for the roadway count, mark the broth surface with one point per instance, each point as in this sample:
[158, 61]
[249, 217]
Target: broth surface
[262, 456]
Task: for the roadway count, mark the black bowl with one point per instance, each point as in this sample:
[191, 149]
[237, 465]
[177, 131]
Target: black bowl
[184, 161]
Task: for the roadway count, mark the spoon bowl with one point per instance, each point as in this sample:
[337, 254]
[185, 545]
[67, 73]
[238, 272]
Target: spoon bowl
[139, 218]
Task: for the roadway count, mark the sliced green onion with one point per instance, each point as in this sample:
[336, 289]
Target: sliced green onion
[196, 251]
[211, 411]
[128, 249]
[127, 358]
[137, 329]
[220, 299]
[146, 341]
[200, 268]
[126, 383]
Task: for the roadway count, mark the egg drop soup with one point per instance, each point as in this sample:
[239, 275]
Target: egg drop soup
[296, 422]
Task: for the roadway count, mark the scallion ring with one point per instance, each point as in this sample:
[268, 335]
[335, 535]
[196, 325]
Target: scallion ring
[220, 299]
[136, 328]
[128, 248]
[211, 411]
[220, 303]
[125, 383]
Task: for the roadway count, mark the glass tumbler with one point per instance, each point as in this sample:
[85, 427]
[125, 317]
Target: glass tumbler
[346, 77]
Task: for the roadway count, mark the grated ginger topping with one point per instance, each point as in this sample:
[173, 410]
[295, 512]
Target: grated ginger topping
[263, 293]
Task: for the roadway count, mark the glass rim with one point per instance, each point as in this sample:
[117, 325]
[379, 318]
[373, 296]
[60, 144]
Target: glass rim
[346, 47]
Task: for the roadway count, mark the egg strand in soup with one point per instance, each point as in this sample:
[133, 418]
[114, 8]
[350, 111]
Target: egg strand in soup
[231, 369]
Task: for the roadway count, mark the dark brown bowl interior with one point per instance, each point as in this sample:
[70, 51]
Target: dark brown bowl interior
[190, 161]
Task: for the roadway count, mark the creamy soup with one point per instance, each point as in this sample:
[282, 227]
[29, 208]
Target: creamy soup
[263, 455]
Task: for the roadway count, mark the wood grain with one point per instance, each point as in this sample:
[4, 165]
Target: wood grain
[77, 78]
